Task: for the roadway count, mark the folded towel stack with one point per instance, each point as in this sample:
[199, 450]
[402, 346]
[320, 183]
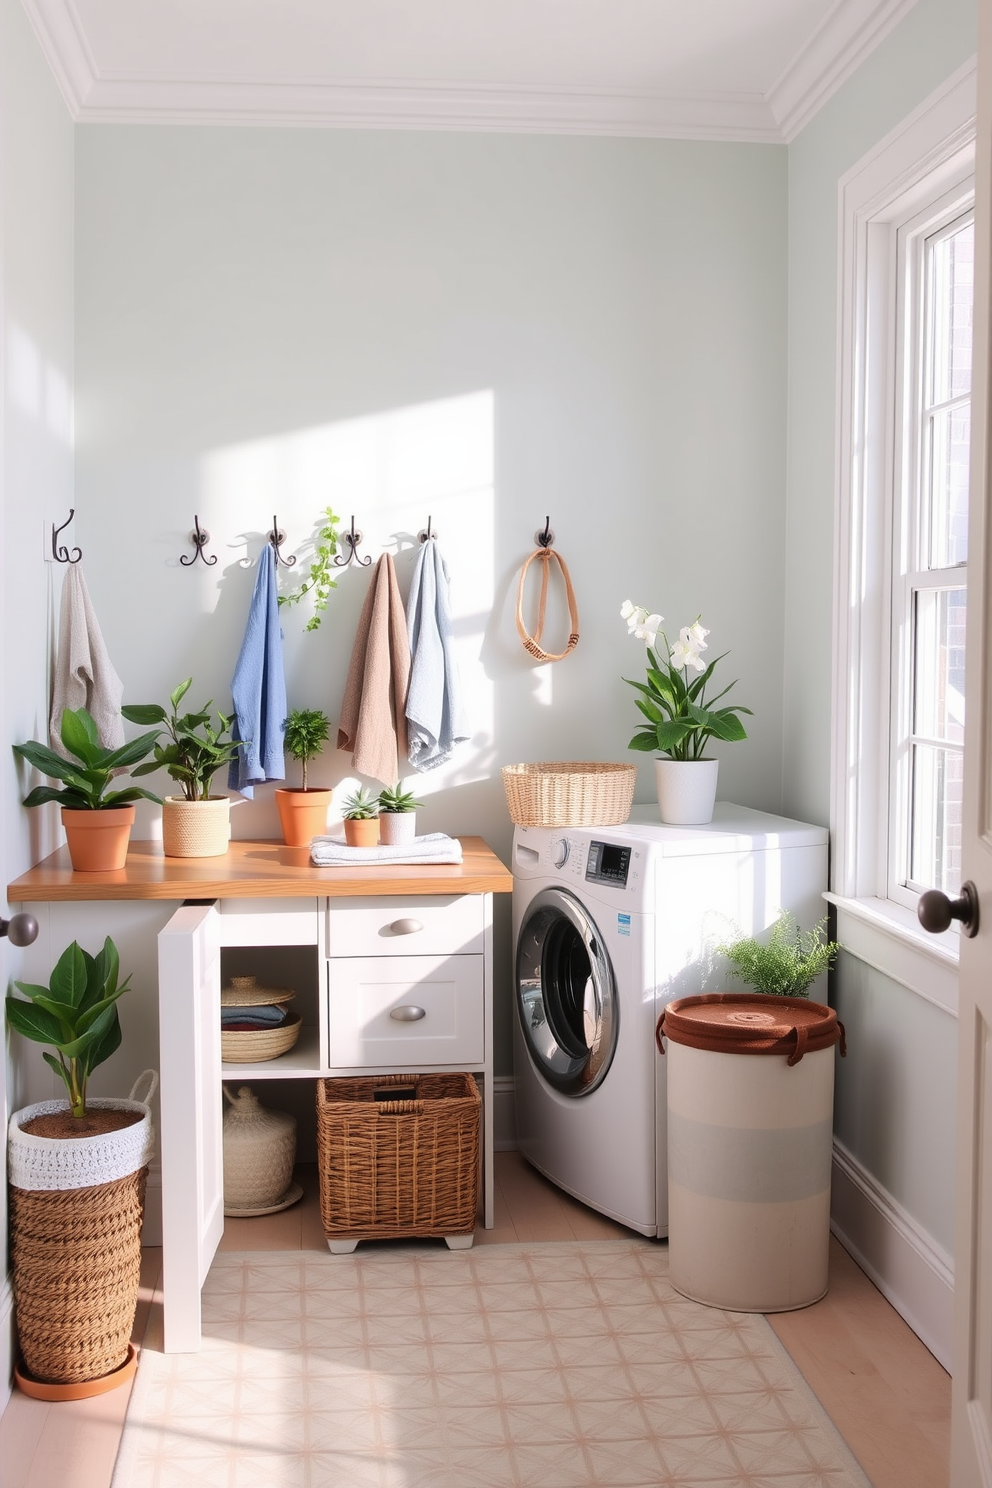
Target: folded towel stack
[435, 847]
[269, 1015]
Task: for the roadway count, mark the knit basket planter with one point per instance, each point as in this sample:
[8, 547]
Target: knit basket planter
[398, 1156]
[302, 815]
[196, 829]
[76, 1207]
[98, 840]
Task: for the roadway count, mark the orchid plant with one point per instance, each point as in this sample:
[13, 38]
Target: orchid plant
[680, 718]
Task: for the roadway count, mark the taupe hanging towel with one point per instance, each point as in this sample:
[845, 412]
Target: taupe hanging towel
[532, 643]
[373, 720]
[84, 676]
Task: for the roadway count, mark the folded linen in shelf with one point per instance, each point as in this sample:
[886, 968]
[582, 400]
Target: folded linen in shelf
[435, 847]
[268, 1015]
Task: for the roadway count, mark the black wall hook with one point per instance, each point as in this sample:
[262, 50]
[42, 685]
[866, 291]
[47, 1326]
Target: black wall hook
[277, 537]
[60, 552]
[199, 537]
[546, 538]
[352, 539]
[427, 533]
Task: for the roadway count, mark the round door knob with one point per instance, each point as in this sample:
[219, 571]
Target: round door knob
[20, 929]
[406, 927]
[936, 910]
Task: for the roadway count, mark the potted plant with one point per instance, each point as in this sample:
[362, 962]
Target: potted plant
[397, 815]
[77, 1172]
[361, 819]
[303, 809]
[195, 824]
[788, 963]
[681, 720]
[97, 820]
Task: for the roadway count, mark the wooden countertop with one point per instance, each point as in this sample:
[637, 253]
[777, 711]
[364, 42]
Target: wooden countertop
[256, 870]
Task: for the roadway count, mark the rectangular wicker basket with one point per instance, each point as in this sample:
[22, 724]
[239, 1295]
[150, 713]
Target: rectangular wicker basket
[398, 1155]
[569, 793]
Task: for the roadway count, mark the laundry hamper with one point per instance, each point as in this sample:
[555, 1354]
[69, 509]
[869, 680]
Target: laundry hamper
[750, 1108]
[398, 1157]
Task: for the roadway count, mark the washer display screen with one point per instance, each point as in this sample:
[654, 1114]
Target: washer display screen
[608, 863]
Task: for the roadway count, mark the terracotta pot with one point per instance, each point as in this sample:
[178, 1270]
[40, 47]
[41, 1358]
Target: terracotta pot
[98, 839]
[361, 833]
[196, 829]
[302, 815]
[686, 790]
[397, 828]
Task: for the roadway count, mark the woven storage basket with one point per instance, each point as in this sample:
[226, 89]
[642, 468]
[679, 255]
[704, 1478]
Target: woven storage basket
[398, 1168]
[569, 793]
[253, 1045]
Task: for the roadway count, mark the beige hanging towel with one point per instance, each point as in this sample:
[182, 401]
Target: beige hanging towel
[84, 677]
[373, 719]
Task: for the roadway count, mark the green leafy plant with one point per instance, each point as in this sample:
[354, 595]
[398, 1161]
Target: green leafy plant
[361, 805]
[319, 580]
[680, 718]
[88, 774]
[788, 964]
[306, 734]
[395, 798]
[76, 1015]
[196, 750]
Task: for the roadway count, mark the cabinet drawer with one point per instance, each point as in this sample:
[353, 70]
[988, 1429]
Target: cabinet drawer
[401, 926]
[405, 1012]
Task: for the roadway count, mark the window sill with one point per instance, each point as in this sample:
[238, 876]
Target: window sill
[891, 939]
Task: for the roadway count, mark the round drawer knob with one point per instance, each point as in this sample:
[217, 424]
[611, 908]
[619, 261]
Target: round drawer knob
[408, 1014]
[406, 927]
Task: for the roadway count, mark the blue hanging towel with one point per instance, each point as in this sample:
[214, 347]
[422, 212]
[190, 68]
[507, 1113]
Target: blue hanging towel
[259, 688]
[435, 719]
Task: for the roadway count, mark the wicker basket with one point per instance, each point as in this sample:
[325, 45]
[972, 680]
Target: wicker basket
[398, 1167]
[253, 1045]
[569, 793]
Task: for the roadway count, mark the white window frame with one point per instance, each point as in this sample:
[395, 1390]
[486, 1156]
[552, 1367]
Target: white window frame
[930, 155]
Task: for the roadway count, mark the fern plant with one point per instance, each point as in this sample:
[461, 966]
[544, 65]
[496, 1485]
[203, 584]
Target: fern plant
[319, 580]
[788, 964]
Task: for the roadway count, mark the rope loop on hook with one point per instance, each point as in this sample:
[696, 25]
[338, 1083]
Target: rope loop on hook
[532, 643]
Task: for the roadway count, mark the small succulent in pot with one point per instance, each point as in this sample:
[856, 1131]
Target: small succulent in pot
[361, 818]
[788, 964]
[397, 815]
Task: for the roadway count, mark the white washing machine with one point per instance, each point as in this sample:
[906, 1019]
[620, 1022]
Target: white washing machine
[609, 924]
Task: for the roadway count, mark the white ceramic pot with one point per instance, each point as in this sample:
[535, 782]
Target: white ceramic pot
[397, 828]
[196, 829]
[686, 790]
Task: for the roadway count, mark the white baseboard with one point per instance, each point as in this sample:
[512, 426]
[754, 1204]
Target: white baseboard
[151, 1226]
[907, 1265]
[504, 1114]
[6, 1341]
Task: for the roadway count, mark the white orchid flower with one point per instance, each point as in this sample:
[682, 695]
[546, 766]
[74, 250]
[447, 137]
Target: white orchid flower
[684, 654]
[647, 628]
[695, 636]
[627, 609]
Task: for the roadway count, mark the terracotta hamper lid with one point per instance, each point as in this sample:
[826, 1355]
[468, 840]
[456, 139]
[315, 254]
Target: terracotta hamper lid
[751, 1023]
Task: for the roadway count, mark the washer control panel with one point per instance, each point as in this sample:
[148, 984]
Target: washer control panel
[608, 864]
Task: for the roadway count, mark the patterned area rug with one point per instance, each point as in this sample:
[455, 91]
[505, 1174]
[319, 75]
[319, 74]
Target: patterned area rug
[517, 1366]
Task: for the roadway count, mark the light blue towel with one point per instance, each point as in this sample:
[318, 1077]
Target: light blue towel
[259, 688]
[434, 715]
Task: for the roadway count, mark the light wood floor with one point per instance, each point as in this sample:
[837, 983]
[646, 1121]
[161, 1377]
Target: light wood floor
[885, 1392]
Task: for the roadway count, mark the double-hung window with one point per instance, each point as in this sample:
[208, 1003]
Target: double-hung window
[907, 242]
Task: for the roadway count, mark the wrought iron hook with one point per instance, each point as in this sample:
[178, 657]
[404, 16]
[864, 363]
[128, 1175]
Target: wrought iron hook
[546, 538]
[352, 539]
[277, 537]
[199, 537]
[59, 551]
[427, 533]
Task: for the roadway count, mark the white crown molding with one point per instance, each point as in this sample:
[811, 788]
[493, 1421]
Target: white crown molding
[836, 49]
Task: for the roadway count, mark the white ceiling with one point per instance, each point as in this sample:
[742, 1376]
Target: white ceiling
[702, 69]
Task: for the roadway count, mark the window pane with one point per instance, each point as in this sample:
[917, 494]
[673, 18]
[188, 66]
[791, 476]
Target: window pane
[950, 446]
[953, 272]
[938, 679]
[936, 828]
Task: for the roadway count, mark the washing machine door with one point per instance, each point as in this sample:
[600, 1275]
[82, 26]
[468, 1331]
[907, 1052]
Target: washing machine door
[566, 993]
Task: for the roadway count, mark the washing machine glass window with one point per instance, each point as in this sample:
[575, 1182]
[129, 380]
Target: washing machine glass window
[566, 993]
